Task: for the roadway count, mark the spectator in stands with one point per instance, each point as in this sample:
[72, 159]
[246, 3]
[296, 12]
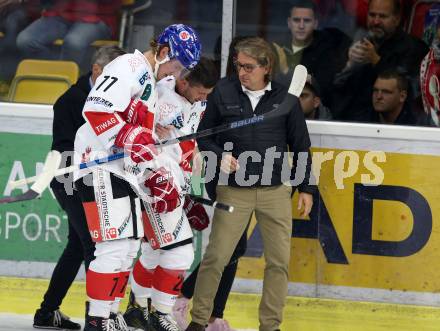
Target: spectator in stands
[322, 52]
[385, 46]
[79, 23]
[67, 119]
[311, 104]
[430, 80]
[391, 101]
[14, 15]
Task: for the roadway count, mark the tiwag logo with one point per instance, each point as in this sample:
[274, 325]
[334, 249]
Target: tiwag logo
[100, 121]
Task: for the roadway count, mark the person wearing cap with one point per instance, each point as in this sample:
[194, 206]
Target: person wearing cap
[311, 103]
[119, 117]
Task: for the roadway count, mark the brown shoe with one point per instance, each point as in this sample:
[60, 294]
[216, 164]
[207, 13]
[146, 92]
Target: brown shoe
[193, 326]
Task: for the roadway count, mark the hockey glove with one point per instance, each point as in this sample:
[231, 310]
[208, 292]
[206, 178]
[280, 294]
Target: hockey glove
[163, 191]
[196, 214]
[137, 141]
[137, 113]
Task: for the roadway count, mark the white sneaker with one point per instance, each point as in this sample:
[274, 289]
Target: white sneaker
[180, 312]
[219, 324]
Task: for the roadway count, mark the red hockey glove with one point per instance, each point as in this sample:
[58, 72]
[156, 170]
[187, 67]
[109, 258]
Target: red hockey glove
[196, 214]
[137, 113]
[137, 141]
[164, 192]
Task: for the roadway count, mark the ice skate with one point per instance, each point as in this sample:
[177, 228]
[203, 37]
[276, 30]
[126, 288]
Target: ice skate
[54, 320]
[120, 324]
[162, 322]
[136, 316]
[94, 323]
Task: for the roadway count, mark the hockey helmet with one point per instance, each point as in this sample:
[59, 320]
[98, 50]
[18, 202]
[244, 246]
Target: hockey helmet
[184, 44]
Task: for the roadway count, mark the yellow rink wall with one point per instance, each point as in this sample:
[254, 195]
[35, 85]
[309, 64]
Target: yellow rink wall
[371, 242]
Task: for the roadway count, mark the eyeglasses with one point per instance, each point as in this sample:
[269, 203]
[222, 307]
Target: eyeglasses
[248, 67]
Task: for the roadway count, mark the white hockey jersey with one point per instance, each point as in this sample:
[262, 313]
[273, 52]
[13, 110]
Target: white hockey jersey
[127, 77]
[172, 109]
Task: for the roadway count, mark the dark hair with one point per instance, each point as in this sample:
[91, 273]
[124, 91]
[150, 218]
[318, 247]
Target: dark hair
[230, 67]
[399, 75]
[309, 4]
[260, 50]
[397, 6]
[205, 73]
[104, 55]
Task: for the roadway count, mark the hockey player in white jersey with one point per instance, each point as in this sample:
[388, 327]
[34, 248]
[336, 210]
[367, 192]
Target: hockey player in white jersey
[159, 272]
[119, 114]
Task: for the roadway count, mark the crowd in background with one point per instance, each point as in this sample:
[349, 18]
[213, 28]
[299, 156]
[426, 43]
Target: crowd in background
[371, 61]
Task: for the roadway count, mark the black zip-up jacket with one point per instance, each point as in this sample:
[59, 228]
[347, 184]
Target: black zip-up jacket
[68, 118]
[228, 103]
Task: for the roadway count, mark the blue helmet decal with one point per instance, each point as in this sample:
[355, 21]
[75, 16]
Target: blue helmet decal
[184, 44]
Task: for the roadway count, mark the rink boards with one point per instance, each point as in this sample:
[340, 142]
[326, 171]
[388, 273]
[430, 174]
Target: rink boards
[363, 241]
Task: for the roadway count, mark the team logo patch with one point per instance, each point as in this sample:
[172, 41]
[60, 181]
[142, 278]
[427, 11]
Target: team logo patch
[184, 35]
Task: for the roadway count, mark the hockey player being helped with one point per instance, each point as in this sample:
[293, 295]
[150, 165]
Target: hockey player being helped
[159, 272]
[117, 120]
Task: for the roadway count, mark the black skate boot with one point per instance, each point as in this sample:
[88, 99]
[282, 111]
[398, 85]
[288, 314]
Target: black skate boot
[136, 316]
[120, 324]
[162, 322]
[94, 323]
[54, 320]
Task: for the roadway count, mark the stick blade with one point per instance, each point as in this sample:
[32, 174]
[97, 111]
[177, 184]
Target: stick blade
[29, 195]
[51, 164]
[299, 79]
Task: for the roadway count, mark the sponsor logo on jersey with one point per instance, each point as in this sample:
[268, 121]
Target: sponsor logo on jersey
[178, 228]
[99, 101]
[111, 233]
[145, 76]
[85, 157]
[101, 122]
[177, 122]
[167, 238]
[184, 35]
[147, 92]
[124, 224]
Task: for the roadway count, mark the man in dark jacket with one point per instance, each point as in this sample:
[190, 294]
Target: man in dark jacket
[322, 52]
[254, 186]
[67, 119]
[392, 101]
[386, 46]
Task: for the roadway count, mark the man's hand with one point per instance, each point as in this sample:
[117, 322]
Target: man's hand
[164, 192]
[196, 214]
[164, 132]
[305, 203]
[282, 58]
[229, 164]
[363, 52]
[137, 141]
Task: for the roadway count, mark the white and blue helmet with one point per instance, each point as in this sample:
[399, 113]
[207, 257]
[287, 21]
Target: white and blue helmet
[184, 44]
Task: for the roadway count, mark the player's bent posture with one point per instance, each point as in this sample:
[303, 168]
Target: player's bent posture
[168, 252]
[119, 114]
